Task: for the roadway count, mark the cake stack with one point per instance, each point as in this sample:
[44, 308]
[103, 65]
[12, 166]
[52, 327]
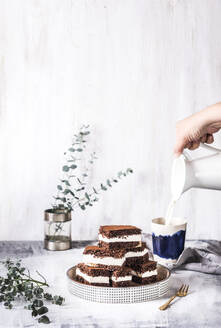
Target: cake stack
[120, 259]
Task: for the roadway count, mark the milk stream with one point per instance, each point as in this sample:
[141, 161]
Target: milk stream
[169, 212]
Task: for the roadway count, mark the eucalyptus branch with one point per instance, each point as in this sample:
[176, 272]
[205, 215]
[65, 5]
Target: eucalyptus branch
[36, 282]
[44, 283]
[15, 286]
[88, 200]
[73, 190]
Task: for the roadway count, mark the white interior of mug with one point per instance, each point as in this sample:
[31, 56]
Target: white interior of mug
[160, 228]
[174, 221]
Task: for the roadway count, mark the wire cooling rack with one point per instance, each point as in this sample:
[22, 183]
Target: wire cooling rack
[135, 294]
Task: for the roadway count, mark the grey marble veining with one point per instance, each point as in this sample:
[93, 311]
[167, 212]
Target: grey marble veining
[201, 308]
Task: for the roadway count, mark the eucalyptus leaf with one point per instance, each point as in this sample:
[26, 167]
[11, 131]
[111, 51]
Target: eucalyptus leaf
[58, 300]
[87, 196]
[42, 310]
[65, 168]
[85, 133]
[44, 319]
[103, 187]
[34, 313]
[37, 303]
[109, 183]
[120, 174]
[80, 189]
[71, 192]
[48, 296]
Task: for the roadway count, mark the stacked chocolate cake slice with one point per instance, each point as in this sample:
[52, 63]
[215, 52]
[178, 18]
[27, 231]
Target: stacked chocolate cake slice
[120, 259]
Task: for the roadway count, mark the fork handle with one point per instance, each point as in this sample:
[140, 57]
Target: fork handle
[165, 306]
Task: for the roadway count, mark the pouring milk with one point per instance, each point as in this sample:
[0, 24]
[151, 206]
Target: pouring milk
[169, 212]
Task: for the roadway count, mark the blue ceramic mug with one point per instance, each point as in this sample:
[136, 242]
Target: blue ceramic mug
[168, 240]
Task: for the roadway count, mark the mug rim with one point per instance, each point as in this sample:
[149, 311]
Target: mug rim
[181, 223]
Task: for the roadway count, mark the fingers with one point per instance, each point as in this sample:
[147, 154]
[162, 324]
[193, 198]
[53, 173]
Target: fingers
[178, 149]
[189, 136]
[188, 145]
[181, 144]
[203, 139]
[194, 145]
[209, 139]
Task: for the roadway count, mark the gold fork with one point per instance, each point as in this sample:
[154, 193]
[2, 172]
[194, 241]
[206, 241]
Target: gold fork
[180, 293]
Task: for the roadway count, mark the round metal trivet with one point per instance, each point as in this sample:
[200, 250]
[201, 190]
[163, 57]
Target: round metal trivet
[135, 294]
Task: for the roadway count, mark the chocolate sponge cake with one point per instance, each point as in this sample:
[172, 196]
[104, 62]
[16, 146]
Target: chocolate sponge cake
[95, 255]
[137, 255]
[120, 259]
[119, 236]
[122, 277]
[96, 276]
[145, 273]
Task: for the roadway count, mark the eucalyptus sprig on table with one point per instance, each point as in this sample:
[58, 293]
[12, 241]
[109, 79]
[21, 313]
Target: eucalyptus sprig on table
[72, 189]
[19, 285]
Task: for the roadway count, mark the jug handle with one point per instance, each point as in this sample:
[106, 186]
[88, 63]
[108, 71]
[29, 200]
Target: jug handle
[210, 148]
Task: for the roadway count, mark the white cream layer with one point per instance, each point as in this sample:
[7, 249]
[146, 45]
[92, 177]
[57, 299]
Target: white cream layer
[90, 259]
[126, 278]
[136, 254]
[98, 280]
[145, 274]
[121, 239]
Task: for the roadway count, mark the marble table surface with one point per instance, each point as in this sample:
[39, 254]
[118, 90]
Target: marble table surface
[201, 308]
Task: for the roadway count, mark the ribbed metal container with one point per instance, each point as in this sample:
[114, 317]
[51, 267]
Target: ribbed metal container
[57, 215]
[121, 295]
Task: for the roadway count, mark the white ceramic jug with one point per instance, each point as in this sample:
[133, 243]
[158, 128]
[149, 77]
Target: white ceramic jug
[203, 172]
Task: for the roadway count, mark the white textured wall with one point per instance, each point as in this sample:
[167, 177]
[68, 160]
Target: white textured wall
[128, 68]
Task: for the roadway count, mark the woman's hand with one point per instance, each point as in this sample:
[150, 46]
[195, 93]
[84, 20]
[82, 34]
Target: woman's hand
[197, 128]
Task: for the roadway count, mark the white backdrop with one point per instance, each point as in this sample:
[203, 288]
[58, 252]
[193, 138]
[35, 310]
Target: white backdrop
[128, 68]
